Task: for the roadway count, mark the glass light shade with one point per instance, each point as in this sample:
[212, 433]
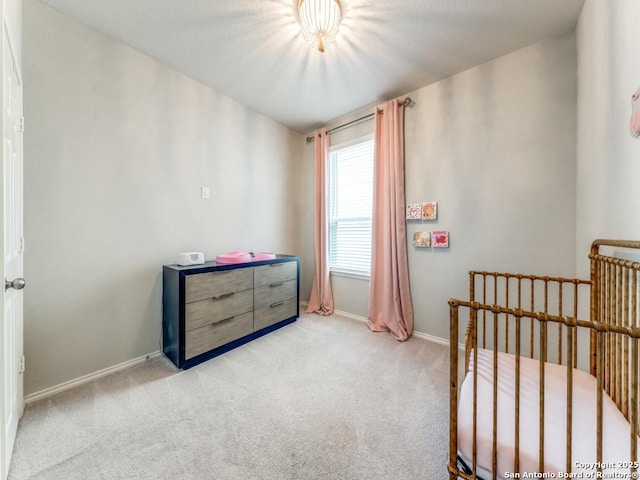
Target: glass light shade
[320, 20]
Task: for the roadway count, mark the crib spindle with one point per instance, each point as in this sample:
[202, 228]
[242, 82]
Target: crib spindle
[560, 289]
[546, 294]
[453, 388]
[532, 309]
[543, 358]
[633, 454]
[516, 466]
[484, 312]
[634, 355]
[595, 312]
[611, 353]
[575, 315]
[506, 316]
[570, 367]
[600, 349]
[474, 459]
[609, 348]
[494, 453]
[519, 277]
[619, 340]
[625, 341]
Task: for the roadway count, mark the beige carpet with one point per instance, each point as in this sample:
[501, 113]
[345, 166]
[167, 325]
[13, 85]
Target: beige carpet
[323, 398]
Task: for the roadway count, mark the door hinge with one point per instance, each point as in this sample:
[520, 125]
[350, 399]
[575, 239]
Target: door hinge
[21, 125]
[22, 244]
[22, 364]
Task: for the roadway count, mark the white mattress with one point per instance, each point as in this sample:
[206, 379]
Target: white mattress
[616, 429]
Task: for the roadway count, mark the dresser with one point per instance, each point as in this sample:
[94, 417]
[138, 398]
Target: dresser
[210, 309]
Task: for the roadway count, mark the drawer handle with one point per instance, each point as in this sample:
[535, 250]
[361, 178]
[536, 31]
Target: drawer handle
[276, 265]
[220, 297]
[222, 321]
[277, 284]
[221, 272]
[277, 304]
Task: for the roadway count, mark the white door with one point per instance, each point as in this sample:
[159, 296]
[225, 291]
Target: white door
[12, 354]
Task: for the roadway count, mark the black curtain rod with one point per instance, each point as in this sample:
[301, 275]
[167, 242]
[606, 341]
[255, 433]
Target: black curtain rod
[407, 102]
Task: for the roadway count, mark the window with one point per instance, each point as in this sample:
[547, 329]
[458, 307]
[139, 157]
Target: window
[351, 206]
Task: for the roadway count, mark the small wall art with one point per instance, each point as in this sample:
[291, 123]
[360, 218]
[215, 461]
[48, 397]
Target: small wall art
[440, 239]
[422, 239]
[634, 123]
[414, 211]
[430, 211]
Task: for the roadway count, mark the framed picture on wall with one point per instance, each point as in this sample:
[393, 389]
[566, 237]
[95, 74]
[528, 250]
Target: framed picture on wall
[414, 211]
[440, 239]
[430, 211]
[422, 239]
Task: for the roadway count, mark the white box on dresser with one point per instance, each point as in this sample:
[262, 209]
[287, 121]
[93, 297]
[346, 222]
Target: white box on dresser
[211, 308]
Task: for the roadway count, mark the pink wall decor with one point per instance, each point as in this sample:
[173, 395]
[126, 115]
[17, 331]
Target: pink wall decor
[634, 124]
[430, 211]
[421, 239]
[414, 211]
[440, 239]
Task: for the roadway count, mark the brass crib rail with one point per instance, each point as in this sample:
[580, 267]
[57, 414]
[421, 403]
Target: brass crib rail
[614, 336]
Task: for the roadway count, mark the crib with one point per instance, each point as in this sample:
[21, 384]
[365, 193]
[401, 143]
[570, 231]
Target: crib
[551, 372]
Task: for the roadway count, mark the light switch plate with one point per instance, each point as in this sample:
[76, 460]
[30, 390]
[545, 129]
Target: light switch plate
[204, 192]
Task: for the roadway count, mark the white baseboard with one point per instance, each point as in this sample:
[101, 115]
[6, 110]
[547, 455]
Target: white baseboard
[47, 392]
[424, 336]
[352, 316]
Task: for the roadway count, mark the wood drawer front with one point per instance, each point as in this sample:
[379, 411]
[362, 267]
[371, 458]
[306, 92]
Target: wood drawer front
[263, 317]
[274, 273]
[273, 293]
[215, 309]
[215, 284]
[207, 338]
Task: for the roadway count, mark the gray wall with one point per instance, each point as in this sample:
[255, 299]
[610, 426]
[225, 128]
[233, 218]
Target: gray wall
[495, 147]
[118, 145]
[116, 150]
[608, 198]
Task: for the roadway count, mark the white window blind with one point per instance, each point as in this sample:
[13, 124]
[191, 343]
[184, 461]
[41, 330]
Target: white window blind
[350, 207]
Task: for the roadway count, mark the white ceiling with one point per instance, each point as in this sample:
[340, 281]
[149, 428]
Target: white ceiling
[253, 51]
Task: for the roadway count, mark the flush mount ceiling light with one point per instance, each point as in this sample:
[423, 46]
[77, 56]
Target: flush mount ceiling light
[320, 20]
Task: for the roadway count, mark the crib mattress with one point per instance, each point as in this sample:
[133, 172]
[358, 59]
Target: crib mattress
[616, 429]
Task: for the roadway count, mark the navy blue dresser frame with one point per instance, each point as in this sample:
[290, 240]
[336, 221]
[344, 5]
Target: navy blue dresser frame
[173, 309]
